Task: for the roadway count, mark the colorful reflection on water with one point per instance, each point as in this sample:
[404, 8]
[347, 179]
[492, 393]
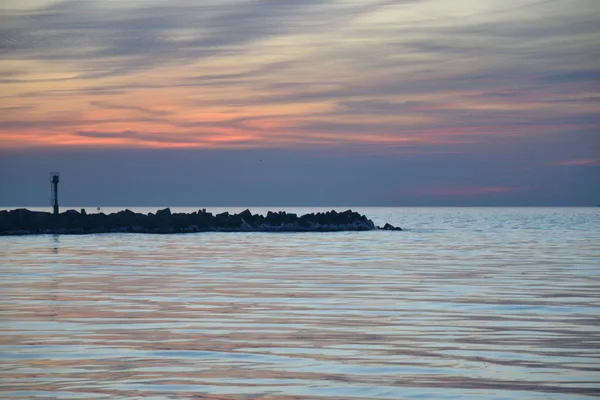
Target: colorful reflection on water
[471, 303]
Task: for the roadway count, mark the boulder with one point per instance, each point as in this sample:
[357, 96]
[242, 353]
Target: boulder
[246, 214]
[70, 214]
[164, 213]
[390, 227]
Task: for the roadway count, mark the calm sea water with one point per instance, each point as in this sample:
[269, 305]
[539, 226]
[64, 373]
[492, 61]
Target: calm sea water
[467, 303]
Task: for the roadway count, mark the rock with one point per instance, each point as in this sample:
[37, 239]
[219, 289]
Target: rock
[164, 213]
[246, 226]
[246, 214]
[70, 213]
[23, 221]
[390, 227]
[273, 218]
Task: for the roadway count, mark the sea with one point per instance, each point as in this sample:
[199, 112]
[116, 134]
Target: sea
[465, 303]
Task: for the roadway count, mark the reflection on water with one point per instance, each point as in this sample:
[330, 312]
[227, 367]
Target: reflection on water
[56, 242]
[499, 304]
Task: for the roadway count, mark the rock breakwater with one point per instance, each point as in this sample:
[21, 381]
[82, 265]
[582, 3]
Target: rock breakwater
[26, 222]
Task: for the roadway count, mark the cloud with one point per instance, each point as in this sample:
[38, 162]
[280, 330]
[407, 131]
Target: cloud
[17, 108]
[582, 76]
[111, 135]
[144, 139]
[464, 191]
[143, 110]
[583, 162]
[378, 73]
[169, 139]
[147, 34]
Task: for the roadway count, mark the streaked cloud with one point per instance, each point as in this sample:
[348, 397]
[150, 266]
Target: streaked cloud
[380, 72]
[464, 191]
[578, 163]
[359, 77]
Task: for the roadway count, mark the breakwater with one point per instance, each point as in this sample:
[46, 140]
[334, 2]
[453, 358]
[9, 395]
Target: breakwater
[26, 222]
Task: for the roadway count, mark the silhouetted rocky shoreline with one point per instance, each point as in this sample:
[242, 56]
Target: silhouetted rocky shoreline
[26, 222]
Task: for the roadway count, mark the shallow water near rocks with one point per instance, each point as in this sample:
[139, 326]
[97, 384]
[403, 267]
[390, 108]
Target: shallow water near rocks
[466, 303]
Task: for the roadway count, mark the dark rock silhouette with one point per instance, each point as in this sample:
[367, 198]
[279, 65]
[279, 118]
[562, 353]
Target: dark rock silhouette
[163, 213]
[26, 222]
[390, 227]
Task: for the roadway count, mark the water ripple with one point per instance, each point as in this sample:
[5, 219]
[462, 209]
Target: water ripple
[445, 310]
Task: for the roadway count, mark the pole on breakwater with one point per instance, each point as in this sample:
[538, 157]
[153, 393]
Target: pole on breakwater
[54, 180]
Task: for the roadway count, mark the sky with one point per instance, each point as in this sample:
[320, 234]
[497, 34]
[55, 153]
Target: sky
[300, 103]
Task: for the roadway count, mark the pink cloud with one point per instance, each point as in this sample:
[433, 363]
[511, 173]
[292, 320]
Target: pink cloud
[464, 190]
[579, 162]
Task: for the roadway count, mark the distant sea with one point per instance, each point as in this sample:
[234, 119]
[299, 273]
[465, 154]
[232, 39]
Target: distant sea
[466, 303]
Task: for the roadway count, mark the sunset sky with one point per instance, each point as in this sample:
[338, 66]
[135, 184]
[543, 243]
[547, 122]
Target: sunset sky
[308, 102]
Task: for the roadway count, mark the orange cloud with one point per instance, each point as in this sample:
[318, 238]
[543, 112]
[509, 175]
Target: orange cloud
[186, 81]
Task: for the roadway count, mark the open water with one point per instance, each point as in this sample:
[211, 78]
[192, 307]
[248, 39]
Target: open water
[466, 303]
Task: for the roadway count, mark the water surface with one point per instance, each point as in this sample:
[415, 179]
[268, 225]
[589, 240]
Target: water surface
[467, 303]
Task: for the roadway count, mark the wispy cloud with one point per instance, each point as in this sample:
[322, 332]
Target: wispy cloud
[377, 73]
[142, 110]
[578, 162]
[464, 191]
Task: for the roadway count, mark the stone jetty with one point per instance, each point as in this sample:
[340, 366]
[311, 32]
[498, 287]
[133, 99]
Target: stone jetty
[26, 222]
